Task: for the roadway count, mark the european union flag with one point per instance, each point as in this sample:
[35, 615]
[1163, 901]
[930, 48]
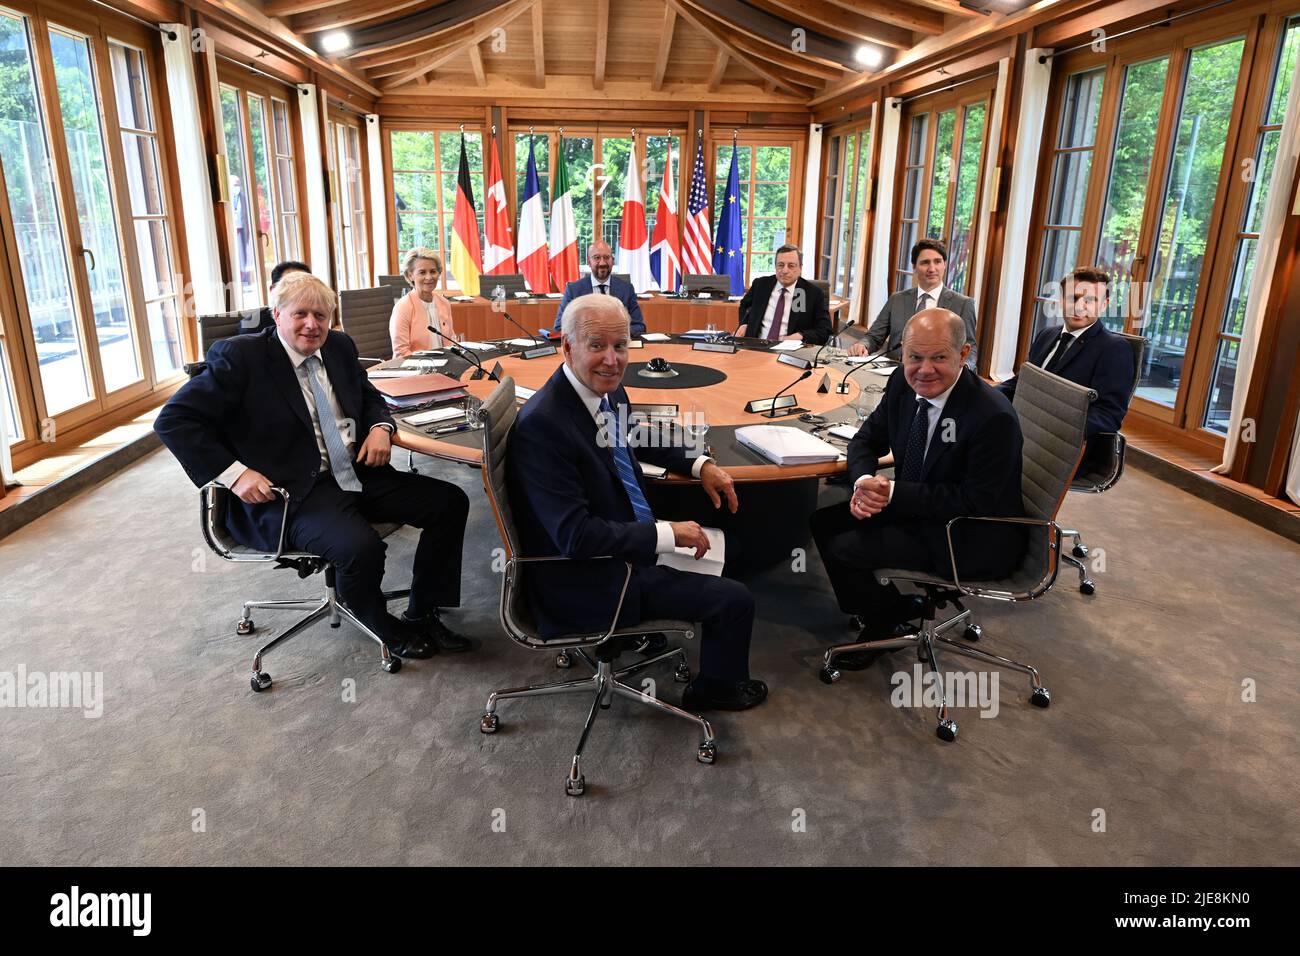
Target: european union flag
[728, 248]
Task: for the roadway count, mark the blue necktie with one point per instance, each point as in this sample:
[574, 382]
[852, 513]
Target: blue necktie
[340, 463]
[623, 462]
[914, 450]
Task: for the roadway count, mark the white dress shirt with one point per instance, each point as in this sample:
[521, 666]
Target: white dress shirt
[597, 283]
[231, 474]
[933, 294]
[771, 309]
[666, 540]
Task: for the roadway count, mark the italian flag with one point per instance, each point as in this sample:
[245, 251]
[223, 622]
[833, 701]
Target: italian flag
[564, 231]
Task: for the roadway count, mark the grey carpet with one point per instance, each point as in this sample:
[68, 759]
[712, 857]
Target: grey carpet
[1147, 724]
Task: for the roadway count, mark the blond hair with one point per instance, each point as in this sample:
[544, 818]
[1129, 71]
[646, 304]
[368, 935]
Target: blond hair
[303, 288]
[419, 252]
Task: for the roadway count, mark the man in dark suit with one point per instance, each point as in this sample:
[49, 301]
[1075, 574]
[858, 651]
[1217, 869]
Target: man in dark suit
[600, 281]
[578, 491]
[957, 443]
[929, 266]
[1087, 353]
[291, 407]
[785, 305]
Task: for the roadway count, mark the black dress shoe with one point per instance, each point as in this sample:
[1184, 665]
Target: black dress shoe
[856, 660]
[411, 645]
[439, 635]
[701, 694]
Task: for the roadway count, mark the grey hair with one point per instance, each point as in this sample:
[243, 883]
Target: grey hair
[956, 327]
[577, 313]
[789, 247]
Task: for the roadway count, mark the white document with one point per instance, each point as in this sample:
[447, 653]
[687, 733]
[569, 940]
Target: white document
[477, 346]
[437, 415]
[524, 394]
[462, 298]
[645, 295]
[554, 295]
[394, 372]
[423, 364]
[786, 445]
[683, 559]
[653, 471]
[847, 432]
[734, 298]
[697, 334]
[523, 342]
[882, 372]
[655, 337]
[787, 345]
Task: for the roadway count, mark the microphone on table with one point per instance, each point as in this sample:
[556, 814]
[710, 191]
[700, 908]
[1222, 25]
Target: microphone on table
[843, 387]
[817, 357]
[466, 355]
[544, 348]
[771, 412]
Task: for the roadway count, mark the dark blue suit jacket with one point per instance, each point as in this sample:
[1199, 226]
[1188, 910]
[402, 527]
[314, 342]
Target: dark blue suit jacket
[812, 317]
[247, 405]
[568, 500]
[621, 290]
[975, 473]
[1099, 360]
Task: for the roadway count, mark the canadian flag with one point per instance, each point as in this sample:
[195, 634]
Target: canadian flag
[499, 256]
[633, 244]
[533, 250]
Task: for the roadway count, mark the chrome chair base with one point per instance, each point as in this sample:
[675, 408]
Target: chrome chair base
[329, 606]
[606, 683]
[1080, 550]
[927, 641]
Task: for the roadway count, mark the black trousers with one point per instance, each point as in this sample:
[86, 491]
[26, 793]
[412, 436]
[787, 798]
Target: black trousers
[852, 550]
[724, 607]
[336, 525]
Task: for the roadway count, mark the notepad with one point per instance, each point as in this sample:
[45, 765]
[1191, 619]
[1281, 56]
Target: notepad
[418, 364]
[654, 337]
[885, 372]
[847, 432]
[787, 345]
[683, 559]
[437, 415]
[786, 445]
[477, 346]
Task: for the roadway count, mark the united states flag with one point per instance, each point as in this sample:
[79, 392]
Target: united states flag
[696, 257]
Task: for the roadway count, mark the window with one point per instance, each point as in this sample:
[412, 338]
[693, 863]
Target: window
[426, 164]
[1223, 374]
[348, 195]
[763, 175]
[848, 172]
[940, 180]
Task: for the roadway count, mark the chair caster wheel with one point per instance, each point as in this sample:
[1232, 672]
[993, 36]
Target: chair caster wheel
[682, 675]
[245, 627]
[574, 786]
[489, 724]
[1041, 697]
[947, 730]
[1087, 587]
[392, 665]
[563, 660]
[828, 675]
[707, 753]
[260, 681]
[1080, 551]
[922, 654]
[974, 632]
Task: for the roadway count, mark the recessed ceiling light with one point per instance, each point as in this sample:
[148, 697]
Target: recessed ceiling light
[868, 55]
[334, 42]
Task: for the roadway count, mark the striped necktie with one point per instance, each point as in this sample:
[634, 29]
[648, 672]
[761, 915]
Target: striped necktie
[623, 462]
[340, 463]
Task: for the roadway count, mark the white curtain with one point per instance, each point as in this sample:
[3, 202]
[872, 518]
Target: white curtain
[878, 287]
[1293, 476]
[1270, 238]
[192, 165]
[990, 184]
[378, 196]
[6, 463]
[812, 189]
[1020, 208]
[313, 155]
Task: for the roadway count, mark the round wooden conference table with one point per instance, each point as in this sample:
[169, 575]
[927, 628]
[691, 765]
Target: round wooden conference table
[775, 500]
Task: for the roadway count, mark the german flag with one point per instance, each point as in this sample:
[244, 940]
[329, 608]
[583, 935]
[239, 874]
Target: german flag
[466, 251]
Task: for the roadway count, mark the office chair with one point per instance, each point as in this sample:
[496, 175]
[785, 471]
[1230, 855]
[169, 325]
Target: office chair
[213, 499]
[398, 284]
[225, 325]
[365, 314]
[1094, 478]
[497, 415]
[1053, 414]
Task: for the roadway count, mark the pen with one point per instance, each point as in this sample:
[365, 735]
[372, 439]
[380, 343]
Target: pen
[448, 429]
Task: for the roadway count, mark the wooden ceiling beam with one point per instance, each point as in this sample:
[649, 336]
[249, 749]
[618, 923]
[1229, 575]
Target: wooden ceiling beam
[476, 64]
[779, 31]
[950, 7]
[286, 8]
[775, 53]
[912, 15]
[482, 29]
[539, 49]
[418, 26]
[665, 47]
[838, 23]
[357, 11]
[602, 43]
[704, 25]
[719, 68]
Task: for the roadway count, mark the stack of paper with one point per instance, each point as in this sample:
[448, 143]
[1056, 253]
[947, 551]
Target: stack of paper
[786, 445]
[655, 337]
[683, 559]
[409, 391]
[787, 345]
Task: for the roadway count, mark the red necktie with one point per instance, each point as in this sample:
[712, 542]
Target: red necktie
[774, 331]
